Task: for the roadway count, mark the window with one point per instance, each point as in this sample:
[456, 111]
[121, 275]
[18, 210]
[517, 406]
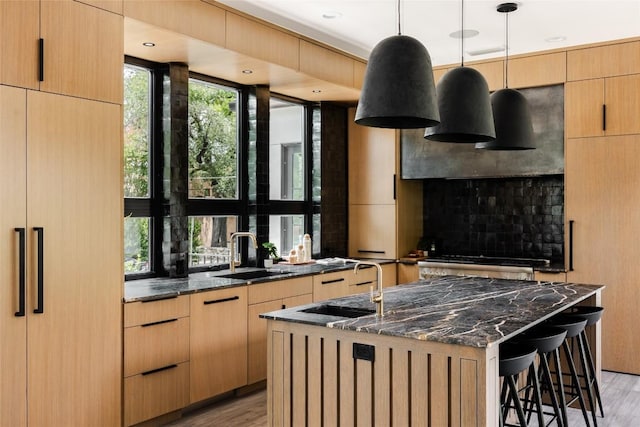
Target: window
[213, 141]
[228, 171]
[137, 131]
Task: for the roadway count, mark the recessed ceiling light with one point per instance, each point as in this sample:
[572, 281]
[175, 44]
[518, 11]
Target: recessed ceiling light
[148, 44]
[555, 39]
[331, 14]
[247, 71]
[486, 51]
[464, 34]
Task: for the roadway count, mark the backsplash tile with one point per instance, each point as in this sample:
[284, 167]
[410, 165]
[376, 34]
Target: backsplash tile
[506, 217]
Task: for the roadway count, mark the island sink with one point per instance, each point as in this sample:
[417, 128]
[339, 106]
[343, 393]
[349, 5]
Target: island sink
[339, 311]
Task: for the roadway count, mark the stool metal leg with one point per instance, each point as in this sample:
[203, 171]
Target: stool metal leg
[513, 391]
[576, 381]
[592, 369]
[587, 378]
[546, 375]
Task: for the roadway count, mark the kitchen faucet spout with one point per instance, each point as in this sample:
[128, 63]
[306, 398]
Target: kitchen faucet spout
[376, 298]
[232, 247]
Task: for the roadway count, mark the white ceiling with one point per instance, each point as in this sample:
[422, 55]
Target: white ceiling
[363, 23]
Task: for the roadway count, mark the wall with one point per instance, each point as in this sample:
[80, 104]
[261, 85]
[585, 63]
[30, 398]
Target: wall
[507, 217]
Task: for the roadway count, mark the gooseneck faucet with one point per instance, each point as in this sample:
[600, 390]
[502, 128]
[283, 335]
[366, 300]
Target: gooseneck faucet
[232, 247]
[376, 298]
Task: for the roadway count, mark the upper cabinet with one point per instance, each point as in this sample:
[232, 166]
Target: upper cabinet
[607, 106]
[62, 47]
[603, 61]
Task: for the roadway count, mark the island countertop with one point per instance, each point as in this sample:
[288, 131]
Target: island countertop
[469, 311]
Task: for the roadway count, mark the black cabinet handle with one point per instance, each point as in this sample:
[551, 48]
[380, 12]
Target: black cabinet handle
[604, 117]
[21, 280]
[164, 368]
[218, 301]
[159, 322]
[40, 305]
[394, 187]
[328, 282]
[370, 252]
[370, 282]
[571, 245]
[41, 60]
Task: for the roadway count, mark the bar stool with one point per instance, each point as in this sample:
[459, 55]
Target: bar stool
[514, 359]
[573, 326]
[547, 340]
[592, 315]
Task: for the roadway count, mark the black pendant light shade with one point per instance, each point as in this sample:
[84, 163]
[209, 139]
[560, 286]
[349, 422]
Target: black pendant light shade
[465, 108]
[398, 90]
[512, 119]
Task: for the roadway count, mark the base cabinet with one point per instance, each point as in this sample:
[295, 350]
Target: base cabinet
[218, 341]
[156, 358]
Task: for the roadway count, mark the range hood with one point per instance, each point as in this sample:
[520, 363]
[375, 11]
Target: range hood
[422, 159]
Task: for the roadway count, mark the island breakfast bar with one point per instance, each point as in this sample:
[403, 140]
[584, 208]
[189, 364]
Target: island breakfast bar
[432, 360]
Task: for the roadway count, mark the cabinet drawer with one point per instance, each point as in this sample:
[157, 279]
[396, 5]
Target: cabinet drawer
[142, 312]
[270, 291]
[154, 345]
[331, 285]
[151, 395]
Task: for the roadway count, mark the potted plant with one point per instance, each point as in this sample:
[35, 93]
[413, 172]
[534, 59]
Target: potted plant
[272, 252]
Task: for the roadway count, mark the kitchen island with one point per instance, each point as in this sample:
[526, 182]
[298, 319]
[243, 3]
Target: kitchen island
[431, 360]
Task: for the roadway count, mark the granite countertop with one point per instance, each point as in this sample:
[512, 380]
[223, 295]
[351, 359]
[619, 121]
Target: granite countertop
[470, 311]
[164, 287]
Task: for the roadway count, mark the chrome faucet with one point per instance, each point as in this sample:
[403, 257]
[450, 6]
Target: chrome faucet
[232, 247]
[377, 297]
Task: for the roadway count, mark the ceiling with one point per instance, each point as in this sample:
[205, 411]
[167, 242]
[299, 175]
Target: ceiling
[536, 25]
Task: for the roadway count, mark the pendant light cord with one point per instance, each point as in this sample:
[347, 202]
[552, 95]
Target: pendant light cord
[462, 34]
[506, 61]
[399, 32]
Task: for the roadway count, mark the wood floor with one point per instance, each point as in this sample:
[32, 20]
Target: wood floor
[620, 395]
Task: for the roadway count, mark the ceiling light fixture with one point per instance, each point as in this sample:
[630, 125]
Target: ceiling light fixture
[331, 14]
[247, 71]
[464, 34]
[398, 90]
[464, 104]
[148, 44]
[511, 113]
[316, 91]
[555, 39]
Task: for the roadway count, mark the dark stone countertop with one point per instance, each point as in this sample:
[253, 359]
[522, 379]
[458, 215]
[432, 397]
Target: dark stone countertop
[163, 287]
[470, 311]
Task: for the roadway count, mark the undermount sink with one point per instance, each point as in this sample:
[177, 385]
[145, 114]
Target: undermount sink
[253, 274]
[339, 311]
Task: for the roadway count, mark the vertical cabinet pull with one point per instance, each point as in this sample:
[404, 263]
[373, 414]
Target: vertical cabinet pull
[571, 245]
[21, 274]
[41, 60]
[604, 117]
[40, 306]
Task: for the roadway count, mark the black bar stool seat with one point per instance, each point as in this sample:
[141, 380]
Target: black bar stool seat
[546, 339]
[514, 359]
[592, 314]
[574, 326]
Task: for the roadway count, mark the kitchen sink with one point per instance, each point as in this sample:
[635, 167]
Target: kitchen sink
[253, 274]
[339, 311]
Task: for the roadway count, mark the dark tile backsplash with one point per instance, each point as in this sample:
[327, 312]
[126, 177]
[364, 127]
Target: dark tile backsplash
[506, 217]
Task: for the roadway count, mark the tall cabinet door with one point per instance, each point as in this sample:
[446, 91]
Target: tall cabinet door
[601, 190]
[74, 194]
[13, 324]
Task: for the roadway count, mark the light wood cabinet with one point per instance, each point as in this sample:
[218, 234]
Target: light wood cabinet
[601, 191]
[603, 107]
[366, 278]
[538, 70]
[65, 166]
[603, 61]
[408, 272]
[156, 358]
[265, 297]
[82, 48]
[385, 212]
[218, 342]
[550, 277]
[331, 285]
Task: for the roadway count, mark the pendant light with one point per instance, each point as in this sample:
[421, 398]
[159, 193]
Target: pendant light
[511, 113]
[398, 90]
[464, 104]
